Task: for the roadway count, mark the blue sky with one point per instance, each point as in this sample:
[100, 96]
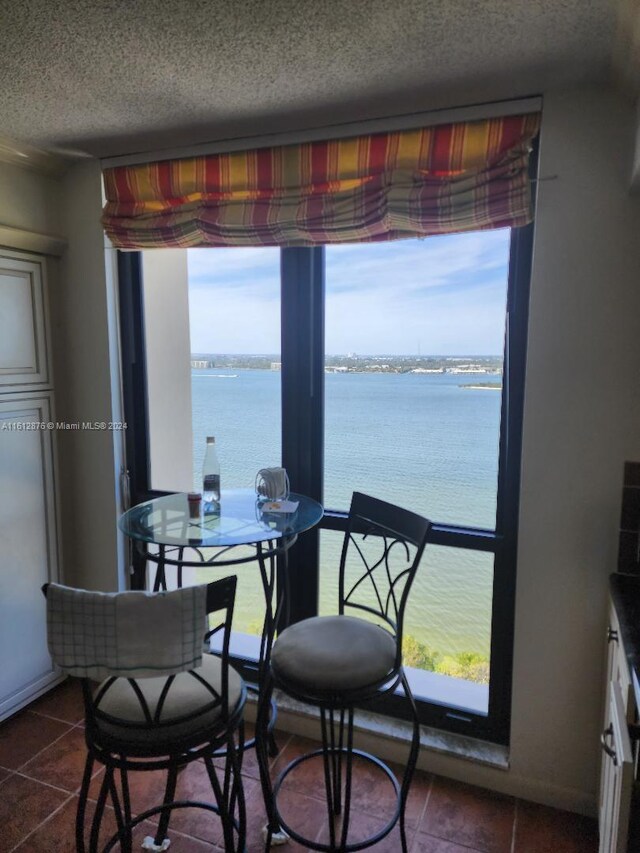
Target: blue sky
[442, 295]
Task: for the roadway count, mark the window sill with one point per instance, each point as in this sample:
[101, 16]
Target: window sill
[298, 718]
[388, 733]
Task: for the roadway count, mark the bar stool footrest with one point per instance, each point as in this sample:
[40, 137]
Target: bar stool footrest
[356, 845]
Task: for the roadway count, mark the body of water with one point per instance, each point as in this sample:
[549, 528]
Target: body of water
[419, 440]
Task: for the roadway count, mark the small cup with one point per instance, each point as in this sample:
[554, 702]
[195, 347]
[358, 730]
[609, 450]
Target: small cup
[194, 499]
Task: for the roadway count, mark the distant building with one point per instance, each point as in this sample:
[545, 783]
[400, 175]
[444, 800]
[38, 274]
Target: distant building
[276, 365]
[200, 364]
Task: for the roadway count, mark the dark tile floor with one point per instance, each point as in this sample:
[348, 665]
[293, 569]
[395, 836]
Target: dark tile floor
[42, 755]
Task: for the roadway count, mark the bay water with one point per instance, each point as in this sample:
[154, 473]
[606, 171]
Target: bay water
[428, 442]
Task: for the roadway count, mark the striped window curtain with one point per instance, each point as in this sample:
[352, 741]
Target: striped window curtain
[436, 180]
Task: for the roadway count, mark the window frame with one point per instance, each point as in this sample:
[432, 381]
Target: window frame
[302, 356]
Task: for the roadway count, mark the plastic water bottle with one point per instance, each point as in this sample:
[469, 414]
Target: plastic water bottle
[211, 473]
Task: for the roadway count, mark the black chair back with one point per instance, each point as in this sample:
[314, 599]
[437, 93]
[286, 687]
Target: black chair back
[382, 549]
[220, 600]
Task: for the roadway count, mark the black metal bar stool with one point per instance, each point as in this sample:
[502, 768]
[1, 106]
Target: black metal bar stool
[176, 710]
[341, 662]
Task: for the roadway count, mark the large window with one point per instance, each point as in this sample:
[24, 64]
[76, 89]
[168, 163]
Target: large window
[396, 369]
[414, 364]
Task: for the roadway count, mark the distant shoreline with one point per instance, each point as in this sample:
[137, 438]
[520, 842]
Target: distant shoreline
[483, 386]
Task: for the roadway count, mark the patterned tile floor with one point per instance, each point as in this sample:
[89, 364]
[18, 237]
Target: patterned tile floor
[42, 754]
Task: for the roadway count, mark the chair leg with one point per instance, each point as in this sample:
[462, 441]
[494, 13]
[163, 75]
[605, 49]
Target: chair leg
[327, 760]
[411, 762]
[225, 817]
[123, 833]
[82, 803]
[126, 806]
[236, 765]
[337, 754]
[262, 754]
[237, 790]
[339, 761]
[335, 781]
[348, 780]
[169, 797]
[97, 815]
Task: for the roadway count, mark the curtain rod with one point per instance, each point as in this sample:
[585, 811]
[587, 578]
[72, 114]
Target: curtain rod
[409, 121]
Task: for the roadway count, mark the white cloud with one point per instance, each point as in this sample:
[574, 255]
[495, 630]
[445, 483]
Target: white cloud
[442, 295]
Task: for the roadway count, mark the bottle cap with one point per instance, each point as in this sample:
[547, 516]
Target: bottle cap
[211, 439]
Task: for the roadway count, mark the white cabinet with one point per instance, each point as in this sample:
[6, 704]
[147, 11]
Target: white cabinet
[617, 768]
[28, 509]
[617, 776]
[24, 356]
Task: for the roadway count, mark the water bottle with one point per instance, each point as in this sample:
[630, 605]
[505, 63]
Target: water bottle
[211, 473]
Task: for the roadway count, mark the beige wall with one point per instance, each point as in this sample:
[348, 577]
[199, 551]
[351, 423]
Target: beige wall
[582, 420]
[635, 167]
[86, 351]
[29, 200]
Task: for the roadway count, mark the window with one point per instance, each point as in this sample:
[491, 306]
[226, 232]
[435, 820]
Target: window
[369, 415]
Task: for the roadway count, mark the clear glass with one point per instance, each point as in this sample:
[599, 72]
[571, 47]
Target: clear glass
[414, 340]
[448, 618]
[240, 519]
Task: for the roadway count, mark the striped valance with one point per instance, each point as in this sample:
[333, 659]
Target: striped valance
[436, 180]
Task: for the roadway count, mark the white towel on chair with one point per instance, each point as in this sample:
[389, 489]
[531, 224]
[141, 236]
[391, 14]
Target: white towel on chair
[128, 634]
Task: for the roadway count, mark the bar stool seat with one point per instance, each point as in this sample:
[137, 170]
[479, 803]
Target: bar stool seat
[333, 654]
[187, 710]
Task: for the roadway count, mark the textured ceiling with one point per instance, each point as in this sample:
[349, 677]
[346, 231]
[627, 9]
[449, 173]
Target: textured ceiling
[117, 76]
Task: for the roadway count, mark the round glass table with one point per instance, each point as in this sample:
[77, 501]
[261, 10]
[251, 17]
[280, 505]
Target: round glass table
[240, 518]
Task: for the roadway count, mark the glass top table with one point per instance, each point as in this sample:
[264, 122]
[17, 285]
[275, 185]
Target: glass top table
[240, 519]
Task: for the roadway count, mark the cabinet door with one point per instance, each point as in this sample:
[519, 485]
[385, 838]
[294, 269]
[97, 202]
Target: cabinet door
[28, 547]
[24, 361]
[618, 669]
[617, 776]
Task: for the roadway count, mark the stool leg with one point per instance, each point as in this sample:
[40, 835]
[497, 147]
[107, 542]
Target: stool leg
[327, 759]
[169, 797]
[82, 803]
[97, 815]
[123, 835]
[237, 789]
[225, 817]
[336, 769]
[337, 750]
[347, 782]
[262, 754]
[126, 803]
[411, 762]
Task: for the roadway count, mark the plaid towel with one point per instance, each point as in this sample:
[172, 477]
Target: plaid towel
[129, 634]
